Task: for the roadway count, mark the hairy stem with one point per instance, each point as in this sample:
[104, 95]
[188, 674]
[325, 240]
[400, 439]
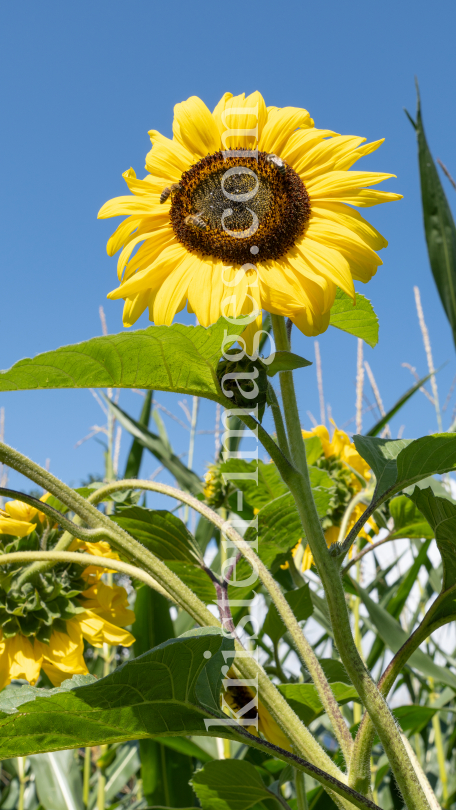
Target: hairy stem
[301, 738]
[80, 558]
[303, 647]
[278, 422]
[328, 569]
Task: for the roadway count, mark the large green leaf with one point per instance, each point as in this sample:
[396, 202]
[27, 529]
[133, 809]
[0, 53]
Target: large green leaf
[279, 524]
[229, 784]
[161, 450]
[359, 320]
[170, 690]
[439, 224]
[160, 531]
[264, 485]
[169, 539]
[399, 463]
[164, 358]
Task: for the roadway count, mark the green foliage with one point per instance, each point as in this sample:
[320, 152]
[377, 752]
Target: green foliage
[229, 785]
[135, 455]
[399, 463]
[164, 358]
[301, 605]
[170, 690]
[357, 319]
[439, 224]
[304, 698]
[285, 361]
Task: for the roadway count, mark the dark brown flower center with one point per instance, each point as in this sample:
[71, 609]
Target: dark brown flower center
[239, 209]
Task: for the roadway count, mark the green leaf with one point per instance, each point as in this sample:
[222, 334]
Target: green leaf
[399, 463]
[359, 320]
[264, 485]
[229, 784]
[279, 524]
[160, 531]
[135, 455]
[170, 690]
[439, 225]
[440, 513]
[413, 718]
[314, 448]
[58, 780]
[164, 358]
[304, 698]
[408, 520]
[161, 450]
[301, 605]
[375, 430]
[285, 361]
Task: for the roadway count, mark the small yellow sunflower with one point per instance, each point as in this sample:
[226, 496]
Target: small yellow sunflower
[245, 208]
[348, 470]
[99, 613]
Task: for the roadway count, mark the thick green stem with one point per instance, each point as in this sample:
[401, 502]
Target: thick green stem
[278, 422]
[366, 732]
[304, 649]
[328, 569]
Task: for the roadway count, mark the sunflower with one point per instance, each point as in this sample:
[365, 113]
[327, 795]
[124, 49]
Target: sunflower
[245, 208]
[43, 627]
[350, 473]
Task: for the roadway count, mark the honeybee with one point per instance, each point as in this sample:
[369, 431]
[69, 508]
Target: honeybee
[169, 190]
[196, 220]
[277, 162]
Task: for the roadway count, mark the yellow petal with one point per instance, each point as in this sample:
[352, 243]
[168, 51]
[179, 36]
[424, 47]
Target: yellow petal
[323, 156]
[317, 284]
[240, 120]
[140, 187]
[124, 206]
[167, 160]
[97, 631]
[280, 125]
[347, 161]
[195, 128]
[300, 142]
[149, 251]
[311, 323]
[16, 528]
[335, 183]
[322, 432]
[20, 511]
[172, 295]
[341, 214]
[152, 276]
[122, 232]
[360, 256]
[24, 659]
[134, 308]
[5, 675]
[205, 292]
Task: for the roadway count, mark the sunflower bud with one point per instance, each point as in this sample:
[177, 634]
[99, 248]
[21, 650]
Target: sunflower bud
[215, 490]
[244, 381]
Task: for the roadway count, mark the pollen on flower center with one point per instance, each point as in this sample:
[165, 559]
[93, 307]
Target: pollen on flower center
[223, 207]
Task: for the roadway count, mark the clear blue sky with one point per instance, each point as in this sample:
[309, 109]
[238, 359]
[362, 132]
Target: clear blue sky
[84, 82]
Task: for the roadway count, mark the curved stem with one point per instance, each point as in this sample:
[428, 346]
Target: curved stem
[303, 647]
[358, 498]
[276, 704]
[329, 573]
[80, 558]
[366, 550]
[366, 732]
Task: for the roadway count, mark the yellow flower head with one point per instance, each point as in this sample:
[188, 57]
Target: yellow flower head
[89, 609]
[245, 208]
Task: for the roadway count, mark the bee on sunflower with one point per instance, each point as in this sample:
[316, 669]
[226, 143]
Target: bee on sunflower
[43, 623]
[244, 209]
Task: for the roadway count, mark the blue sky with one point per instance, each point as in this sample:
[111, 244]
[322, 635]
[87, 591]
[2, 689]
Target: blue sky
[82, 85]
